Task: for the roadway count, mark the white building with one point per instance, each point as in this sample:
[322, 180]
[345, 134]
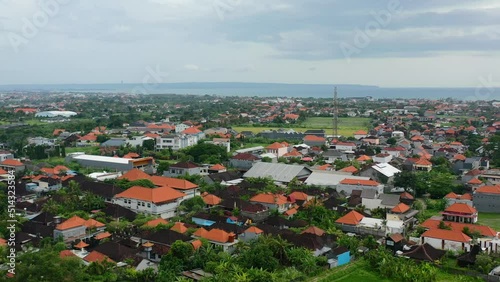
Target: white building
[348, 185]
[447, 240]
[162, 201]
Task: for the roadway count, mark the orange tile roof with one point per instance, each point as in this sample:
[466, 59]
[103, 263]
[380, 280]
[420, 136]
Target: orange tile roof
[102, 235]
[217, 167]
[275, 146]
[131, 155]
[196, 244]
[314, 230]
[406, 195]
[489, 189]
[291, 116]
[350, 181]
[218, 235]
[201, 232]
[451, 195]
[96, 256]
[155, 195]
[3, 242]
[461, 208]
[293, 153]
[290, 212]
[156, 222]
[449, 235]
[269, 198]
[72, 222]
[81, 245]
[92, 223]
[423, 161]
[475, 181]
[179, 227]
[212, 200]
[349, 169]
[3, 171]
[175, 183]
[66, 254]
[400, 208]
[297, 195]
[254, 229]
[134, 174]
[363, 158]
[314, 138]
[352, 218]
[12, 162]
[460, 157]
[361, 132]
[459, 227]
[324, 167]
[191, 130]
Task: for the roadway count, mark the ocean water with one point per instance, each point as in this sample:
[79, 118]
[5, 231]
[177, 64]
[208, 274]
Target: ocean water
[266, 89]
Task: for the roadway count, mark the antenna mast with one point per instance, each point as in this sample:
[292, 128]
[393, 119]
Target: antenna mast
[335, 114]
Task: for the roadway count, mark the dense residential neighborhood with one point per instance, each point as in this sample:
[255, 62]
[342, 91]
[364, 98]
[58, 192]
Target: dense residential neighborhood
[166, 187]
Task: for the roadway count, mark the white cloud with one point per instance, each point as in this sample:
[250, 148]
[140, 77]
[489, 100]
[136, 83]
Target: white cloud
[191, 67]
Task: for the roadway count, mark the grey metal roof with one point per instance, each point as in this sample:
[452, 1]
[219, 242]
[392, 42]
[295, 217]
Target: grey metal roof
[330, 178]
[277, 171]
[368, 194]
[389, 199]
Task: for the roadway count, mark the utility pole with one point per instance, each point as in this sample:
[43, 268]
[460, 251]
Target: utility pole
[335, 114]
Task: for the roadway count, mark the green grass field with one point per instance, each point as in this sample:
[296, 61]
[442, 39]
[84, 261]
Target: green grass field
[347, 126]
[490, 219]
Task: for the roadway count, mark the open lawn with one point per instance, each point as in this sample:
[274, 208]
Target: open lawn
[347, 126]
[490, 219]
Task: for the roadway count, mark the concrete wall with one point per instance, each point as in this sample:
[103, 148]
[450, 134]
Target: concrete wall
[448, 245]
[487, 202]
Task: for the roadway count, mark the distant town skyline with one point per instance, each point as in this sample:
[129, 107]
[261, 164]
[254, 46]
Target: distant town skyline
[387, 43]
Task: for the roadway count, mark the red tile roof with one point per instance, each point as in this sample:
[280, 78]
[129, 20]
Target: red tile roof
[156, 222]
[92, 223]
[217, 167]
[96, 256]
[459, 227]
[254, 229]
[155, 195]
[102, 235]
[363, 158]
[475, 181]
[349, 169]
[179, 227]
[269, 198]
[12, 162]
[191, 130]
[175, 183]
[314, 138]
[406, 195]
[72, 222]
[461, 208]
[66, 254]
[134, 174]
[361, 132]
[217, 235]
[3, 171]
[314, 230]
[196, 244]
[352, 218]
[349, 181]
[81, 245]
[275, 146]
[447, 235]
[400, 208]
[489, 189]
[301, 196]
[211, 200]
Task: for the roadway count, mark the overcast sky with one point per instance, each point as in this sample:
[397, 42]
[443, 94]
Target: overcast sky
[445, 43]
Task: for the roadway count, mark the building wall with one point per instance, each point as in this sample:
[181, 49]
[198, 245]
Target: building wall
[104, 165]
[348, 188]
[175, 171]
[487, 202]
[448, 245]
[166, 210]
[76, 232]
[4, 157]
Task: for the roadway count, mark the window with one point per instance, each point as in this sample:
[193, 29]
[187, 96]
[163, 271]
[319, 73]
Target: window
[149, 205]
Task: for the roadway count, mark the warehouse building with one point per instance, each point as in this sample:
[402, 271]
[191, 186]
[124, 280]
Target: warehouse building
[112, 163]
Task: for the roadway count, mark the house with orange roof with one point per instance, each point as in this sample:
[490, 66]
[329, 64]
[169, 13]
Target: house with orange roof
[278, 149]
[474, 183]
[447, 240]
[403, 212]
[452, 198]
[217, 168]
[483, 230]
[349, 221]
[360, 134]
[272, 201]
[179, 227]
[373, 140]
[382, 158]
[218, 237]
[96, 256]
[12, 164]
[251, 233]
[460, 212]
[292, 154]
[347, 185]
[185, 186]
[161, 201]
[417, 164]
[77, 228]
[487, 199]
[291, 117]
[343, 146]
